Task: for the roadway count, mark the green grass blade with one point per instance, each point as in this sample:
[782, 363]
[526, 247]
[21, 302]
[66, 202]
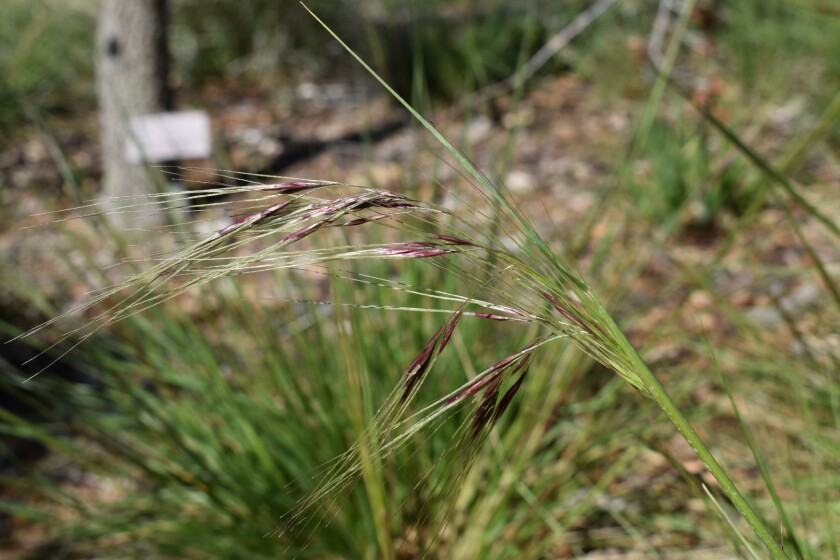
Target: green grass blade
[463, 160]
[761, 462]
[766, 168]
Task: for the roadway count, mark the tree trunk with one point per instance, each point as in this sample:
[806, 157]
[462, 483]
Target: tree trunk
[132, 68]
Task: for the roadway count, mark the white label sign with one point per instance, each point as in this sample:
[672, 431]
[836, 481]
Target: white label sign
[168, 136]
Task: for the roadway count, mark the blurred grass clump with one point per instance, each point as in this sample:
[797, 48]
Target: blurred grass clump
[248, 39]
[46, 59]
[783, 48]
[681, 159]
[434, 49]
[441, 50]
[205, 442]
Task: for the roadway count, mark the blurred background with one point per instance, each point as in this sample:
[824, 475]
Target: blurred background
[685, 153]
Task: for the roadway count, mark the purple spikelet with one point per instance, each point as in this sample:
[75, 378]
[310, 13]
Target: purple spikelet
[454, 240]
[420, 365]
[491, 407]
[511, 392]
[450, 328]
[493, 374]
[496, 372]
[294, 187]
[413, 250]
[250, 219]
[475, 387]
[484, 412]
[301, 233]
[434, 347]
[573, 318]
[492, 316]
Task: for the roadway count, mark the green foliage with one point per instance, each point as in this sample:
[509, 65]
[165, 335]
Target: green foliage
[782, 49]
[218, 438]
[251, 38]
[436, 49]
[445, 53]
[685, 167]
[46, 63]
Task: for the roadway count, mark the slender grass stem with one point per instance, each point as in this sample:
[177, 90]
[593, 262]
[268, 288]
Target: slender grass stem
[667, 404]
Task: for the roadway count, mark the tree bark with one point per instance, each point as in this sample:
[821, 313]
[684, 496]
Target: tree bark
[132, 69]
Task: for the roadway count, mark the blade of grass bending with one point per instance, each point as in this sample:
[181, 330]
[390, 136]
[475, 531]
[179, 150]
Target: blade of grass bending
[766, 169]
[791, 159]
[369, 447]
[830, 285]
[743, 540]
[786, 164]
[758, 456]
[662, 78]
[661, 396]
[462, 159]
[526, 69]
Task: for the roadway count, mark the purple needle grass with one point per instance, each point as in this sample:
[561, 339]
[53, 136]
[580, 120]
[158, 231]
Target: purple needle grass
[522, 280]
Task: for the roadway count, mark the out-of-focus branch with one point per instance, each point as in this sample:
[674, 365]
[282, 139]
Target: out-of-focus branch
[553, 46]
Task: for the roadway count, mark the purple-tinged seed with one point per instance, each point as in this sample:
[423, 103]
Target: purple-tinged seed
[356, 222]
[450, 328]
[509, 394]
[383, 202]
[429, 253]
[300, 234]
[492, 316]
[512, 311]
[420, 365]
[294, 187]
[455, 240]
[491, 407]
[412, 249]
[250, 219]
[425, 355]
[360, 221]
[475, 387]
[484, 412]
[560, 309]
[497, 369]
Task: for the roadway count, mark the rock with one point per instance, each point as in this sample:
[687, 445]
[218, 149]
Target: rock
[520, 182]
[802, 297]
[767, 316]
[479, 129]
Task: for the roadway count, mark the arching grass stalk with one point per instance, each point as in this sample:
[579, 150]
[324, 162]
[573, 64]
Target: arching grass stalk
[617, 351]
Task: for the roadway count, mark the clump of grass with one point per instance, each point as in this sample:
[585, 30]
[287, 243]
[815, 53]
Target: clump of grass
[45, 63]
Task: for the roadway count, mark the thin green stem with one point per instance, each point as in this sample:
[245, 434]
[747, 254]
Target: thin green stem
[664, 72]
[667, 404]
